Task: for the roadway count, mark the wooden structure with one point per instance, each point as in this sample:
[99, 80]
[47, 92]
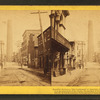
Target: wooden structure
[51, 58]
[28, 44]
[55, 48]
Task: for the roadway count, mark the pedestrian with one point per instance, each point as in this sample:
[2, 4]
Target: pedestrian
[21, 64]
[82, 65]
[1, 65]
[68, 69]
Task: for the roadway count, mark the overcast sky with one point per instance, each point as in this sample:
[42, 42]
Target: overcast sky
[76, 24]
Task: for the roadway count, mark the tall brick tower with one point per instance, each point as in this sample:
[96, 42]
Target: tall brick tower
[90, 41]
[9, 41]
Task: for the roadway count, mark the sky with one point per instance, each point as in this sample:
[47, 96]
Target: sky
[21, 21]
[76, 24]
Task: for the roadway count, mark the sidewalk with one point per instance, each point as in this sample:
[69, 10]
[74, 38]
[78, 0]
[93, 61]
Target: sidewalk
[66, 79]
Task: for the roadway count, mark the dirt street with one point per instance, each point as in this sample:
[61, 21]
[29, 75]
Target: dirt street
[14, 75]
[90, 76]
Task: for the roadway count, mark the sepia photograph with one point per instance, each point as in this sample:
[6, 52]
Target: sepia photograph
[49, 48]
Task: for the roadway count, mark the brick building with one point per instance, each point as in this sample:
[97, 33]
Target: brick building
[33, 50]
[25, 44]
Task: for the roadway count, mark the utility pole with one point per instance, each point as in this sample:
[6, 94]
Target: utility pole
[41, 28]
[1, 43]
[82, 53]
[41, 32]
[42, 35]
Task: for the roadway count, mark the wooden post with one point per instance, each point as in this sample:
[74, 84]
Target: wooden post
[43, 42]
[42, 32]
[42, 35]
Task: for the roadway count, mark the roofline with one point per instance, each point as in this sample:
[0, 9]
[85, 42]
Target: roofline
[29, 30]
[44, 31]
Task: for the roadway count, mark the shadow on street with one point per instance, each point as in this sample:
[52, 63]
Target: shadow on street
[40, 75]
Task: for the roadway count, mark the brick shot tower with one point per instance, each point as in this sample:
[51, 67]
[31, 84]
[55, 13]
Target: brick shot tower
[9, 41]
[90, 41]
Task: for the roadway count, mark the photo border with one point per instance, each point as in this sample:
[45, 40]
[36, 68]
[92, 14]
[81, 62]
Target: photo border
[49, 89]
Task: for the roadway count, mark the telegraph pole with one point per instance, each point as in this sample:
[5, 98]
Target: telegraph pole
[41, 32]
[42, 35]
[82, 53]
[41, 27]
[1, 43]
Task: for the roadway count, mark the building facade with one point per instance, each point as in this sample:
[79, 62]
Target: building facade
[33, 51]
[76, 55]
[45, 55]
[26, 45]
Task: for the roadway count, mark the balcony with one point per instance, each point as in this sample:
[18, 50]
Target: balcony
[57, 41]
[59, 38]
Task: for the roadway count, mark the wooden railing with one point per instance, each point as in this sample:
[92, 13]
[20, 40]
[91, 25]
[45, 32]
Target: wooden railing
[59, 38]
[54, 34]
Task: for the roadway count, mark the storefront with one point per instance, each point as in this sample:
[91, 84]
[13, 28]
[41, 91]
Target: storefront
[59, 57]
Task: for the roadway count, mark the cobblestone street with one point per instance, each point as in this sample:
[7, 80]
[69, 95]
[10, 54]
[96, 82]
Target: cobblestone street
[14, 75]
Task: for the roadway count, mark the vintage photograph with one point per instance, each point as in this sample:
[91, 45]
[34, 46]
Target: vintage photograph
[49, 48]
